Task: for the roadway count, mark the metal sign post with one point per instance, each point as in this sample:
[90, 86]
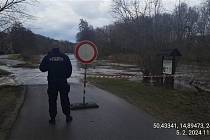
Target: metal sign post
[85, 82]
[86, 52]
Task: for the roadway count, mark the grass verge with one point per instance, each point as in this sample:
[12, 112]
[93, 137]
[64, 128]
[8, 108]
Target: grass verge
[11, 99]
[166, 105]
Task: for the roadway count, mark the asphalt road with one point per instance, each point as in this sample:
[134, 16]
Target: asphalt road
[115, 119]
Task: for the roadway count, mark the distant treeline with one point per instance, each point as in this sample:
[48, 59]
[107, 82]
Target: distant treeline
[18, 39]
[139, 33]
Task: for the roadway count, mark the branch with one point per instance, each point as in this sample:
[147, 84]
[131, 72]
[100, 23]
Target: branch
[13, 10]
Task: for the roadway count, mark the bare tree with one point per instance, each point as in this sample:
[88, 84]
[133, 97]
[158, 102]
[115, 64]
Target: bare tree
[203, 21]
[128, 10]
[192, 22]
[180, 20]
[13, 10]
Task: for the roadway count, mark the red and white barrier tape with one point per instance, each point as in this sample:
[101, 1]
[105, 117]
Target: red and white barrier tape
[136, 76]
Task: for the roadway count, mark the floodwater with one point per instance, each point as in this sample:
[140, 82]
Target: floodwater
[186, 77]
[106, 68]
[27, 76]
[194, 74]
[186, 74]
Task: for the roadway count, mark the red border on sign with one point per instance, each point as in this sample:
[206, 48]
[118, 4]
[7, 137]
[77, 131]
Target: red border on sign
[76, 52]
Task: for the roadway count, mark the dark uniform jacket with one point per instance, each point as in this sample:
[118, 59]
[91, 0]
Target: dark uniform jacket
[58, 66]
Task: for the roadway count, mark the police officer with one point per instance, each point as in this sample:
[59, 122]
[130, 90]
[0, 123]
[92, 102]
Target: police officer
[59, 69]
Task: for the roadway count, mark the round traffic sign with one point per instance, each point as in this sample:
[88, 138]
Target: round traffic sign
[86, 52]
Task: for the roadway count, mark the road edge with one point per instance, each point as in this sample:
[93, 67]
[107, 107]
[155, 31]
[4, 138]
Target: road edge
[14, 115]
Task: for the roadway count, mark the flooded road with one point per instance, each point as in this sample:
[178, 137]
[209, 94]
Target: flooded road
[186, 75]
[27, 76]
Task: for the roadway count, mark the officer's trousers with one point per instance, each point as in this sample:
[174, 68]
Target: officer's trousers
[63, 88]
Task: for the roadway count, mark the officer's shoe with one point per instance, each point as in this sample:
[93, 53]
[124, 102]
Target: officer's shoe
[52, 121]
[68, 119]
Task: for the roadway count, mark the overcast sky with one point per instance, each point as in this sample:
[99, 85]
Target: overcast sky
[59, 19]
